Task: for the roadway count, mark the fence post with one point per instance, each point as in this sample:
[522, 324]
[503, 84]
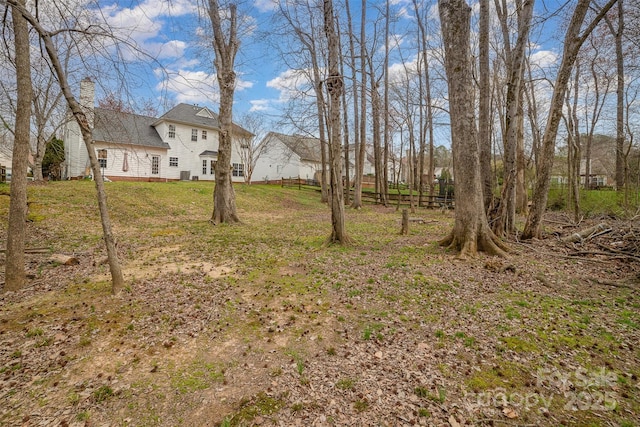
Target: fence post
[405, 222]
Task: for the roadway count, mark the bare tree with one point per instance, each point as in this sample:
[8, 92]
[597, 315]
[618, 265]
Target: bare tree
[15, 276]
[620, 131]
[504, 221]
[360, 145]
[574, 39]
[574, 146]
[225, 47]
[426, 127]
[471, 230]
[484, 106]
[252, 146]
[335, 86]
[301, 19]
[117, 280]
[48, 115]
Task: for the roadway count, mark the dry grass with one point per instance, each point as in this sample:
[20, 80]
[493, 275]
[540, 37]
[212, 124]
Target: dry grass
[262, 323]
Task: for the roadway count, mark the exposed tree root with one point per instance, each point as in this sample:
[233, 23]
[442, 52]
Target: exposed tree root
[228, 220]
[486, 242]
[334, 240]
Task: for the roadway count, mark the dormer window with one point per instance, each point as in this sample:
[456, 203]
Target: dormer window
[194, 135]
[172, 131]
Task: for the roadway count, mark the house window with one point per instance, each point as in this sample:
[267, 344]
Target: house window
[204, 134]
[173, 161]
[238, 169]
[155, 165]
[102, 158]
[212, 167]
[204, 167]
[194, 134]
[172, 131]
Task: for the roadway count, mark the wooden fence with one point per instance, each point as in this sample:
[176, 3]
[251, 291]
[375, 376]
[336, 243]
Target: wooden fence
[442, 198]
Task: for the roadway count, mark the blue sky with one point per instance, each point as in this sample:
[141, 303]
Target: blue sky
[175, 34]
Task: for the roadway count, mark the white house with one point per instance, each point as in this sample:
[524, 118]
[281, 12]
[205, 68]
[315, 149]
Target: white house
[288, 156]
[180, 145]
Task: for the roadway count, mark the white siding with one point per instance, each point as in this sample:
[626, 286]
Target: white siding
[139, 157]
[278, 162]
[138, 160]
[188, 151]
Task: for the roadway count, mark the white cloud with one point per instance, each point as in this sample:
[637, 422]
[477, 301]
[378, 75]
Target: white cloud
[260, 105]
[171, 49]
[265, 5]
[544, 58]
[398, 71]
[145, 25]
[290, 83]
[194, 87]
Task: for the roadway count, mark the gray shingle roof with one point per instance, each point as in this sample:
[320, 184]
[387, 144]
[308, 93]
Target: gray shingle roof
[126, 128]
[306, 148]
[188, 114]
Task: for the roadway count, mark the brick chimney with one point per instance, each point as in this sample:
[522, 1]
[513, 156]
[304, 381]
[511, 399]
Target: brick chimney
[87, 99]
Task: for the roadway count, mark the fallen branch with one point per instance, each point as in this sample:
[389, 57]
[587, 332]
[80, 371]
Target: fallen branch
[608, 283]
[607, 254]
[588, 233]
[32, 250]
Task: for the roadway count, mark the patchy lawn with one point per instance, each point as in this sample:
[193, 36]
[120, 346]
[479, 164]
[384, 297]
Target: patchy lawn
[262, 324]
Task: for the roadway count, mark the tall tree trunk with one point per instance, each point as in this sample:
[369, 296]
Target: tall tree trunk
[225, 48]
[375, 131]
[15, 277]
[572, 43]
[117, 280]
[484, 113]
[357, 175]
[422, 138]
[620, 132]
[504, 221]
[427, 98]
[471, 230]
[574, 155]
[41, 145]
[385, 110]
[345, 127]
[335, 86]
[361, 149]
[522, 199]
[532, 114]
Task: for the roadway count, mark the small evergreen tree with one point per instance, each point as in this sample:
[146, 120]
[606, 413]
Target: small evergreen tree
[53, 159]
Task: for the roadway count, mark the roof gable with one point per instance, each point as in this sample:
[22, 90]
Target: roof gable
[204, 112]
[306, 148]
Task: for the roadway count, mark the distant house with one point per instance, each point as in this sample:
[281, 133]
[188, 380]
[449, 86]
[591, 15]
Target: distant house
[288, 156]
[6, 155]
[182, 144]
[602, 166]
